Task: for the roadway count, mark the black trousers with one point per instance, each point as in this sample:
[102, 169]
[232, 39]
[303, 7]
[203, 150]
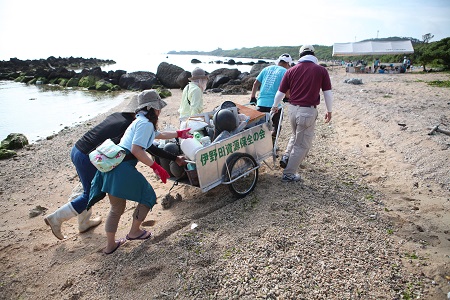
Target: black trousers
[275, 117]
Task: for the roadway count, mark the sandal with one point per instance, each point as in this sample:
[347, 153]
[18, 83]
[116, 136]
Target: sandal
[142, 236]
[118, 244]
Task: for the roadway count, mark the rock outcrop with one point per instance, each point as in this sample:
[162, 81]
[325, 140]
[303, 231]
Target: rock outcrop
[62, 71]
[12, 142]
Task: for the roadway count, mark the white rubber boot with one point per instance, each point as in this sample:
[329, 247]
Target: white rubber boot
[84, 221]
[62, 214]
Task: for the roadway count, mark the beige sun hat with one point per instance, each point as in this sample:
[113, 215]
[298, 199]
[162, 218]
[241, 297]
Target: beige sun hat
[198, 74]
[149, 99]
[131, 106]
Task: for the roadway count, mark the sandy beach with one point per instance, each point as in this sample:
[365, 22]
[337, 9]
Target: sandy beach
[369, 221]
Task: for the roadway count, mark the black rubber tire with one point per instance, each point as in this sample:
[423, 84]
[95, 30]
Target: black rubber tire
[239, 164]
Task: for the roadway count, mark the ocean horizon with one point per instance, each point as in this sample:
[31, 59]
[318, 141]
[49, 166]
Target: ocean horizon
[150, 62]
[39, 111]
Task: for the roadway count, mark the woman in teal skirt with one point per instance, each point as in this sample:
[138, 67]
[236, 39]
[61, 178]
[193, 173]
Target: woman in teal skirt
[125, 181]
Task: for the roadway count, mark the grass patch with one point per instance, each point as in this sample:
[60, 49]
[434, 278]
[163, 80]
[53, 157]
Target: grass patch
[250, 202]
[230, 252]
[370, 197]
[440, 83]
[411, 255]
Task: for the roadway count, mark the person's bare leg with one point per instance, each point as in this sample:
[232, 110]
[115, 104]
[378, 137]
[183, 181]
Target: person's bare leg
[139, 215]
[112, 222]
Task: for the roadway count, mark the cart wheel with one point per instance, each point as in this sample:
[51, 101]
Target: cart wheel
[238, 165]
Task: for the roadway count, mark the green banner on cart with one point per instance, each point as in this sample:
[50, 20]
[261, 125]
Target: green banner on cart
[234, 144]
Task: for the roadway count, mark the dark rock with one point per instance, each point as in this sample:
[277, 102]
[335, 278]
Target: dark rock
[234, 90]
[41, 72]
[216, 90]
[168, 200]
[195, 61]
[139, 80]
[167, 74]
[243, 75]
[114, 76]
[73, 82]
[219, 80]
[353, 81]
[183, 79]
[87, 81]
[37, 211]
[97, 72]
[247, 82]
[234, 82]
[256, 69]
[5, 153]
[14, 141]
[103, 85]
[231, 73]
[223, 72]
[61, 73]
[163, 93]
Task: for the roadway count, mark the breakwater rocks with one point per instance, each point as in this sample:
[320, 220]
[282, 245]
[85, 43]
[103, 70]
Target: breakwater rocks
[12, 142]
[63, 72]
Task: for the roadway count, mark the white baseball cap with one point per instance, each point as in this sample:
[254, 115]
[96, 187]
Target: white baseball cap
[305, 48]
[285, 57]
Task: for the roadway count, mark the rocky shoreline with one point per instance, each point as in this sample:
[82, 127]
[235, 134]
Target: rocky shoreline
[61, 71]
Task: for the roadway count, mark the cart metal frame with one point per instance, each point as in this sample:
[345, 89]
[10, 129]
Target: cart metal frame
[235, 161]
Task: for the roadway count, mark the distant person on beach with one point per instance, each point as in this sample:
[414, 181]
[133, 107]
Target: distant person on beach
[376, 65]
[267, 82]
[406, 64]
[304, 82]
[125, 182]
[112, 127]
[192, 97]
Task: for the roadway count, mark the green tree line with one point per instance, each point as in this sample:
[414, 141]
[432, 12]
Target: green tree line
[426, 54]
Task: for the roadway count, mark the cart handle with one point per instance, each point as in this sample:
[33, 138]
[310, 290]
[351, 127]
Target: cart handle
[230, 182]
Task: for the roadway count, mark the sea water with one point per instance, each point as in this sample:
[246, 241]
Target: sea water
[38, 111]
[150, 62]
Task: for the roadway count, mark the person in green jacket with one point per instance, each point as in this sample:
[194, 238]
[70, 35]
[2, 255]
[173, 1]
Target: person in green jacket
[192, 98]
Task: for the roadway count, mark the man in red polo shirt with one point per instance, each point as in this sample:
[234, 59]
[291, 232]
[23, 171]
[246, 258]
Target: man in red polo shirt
[304, 82]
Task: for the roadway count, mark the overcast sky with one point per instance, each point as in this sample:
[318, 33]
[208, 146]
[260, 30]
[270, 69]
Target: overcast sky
[97, 28]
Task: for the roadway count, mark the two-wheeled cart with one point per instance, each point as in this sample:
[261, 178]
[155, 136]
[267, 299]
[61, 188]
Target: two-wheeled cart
[234, 161]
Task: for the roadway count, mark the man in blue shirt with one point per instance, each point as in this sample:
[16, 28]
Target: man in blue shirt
[376, 65]
[267, 83]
